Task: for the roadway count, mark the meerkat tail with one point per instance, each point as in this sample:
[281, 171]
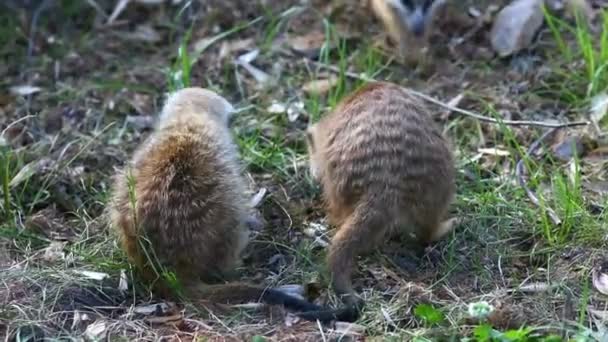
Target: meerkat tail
[239, 292]
[361, 232]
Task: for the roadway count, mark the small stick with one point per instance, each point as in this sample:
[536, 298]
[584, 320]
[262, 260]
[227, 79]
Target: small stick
[456, 109]
[519, 170]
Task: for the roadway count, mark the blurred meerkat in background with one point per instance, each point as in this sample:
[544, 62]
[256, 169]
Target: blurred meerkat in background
[408, 23]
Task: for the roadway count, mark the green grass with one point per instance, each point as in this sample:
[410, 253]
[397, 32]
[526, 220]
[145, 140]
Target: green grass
[575, 42]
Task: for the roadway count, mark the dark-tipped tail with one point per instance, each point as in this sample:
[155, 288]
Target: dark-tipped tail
[237, 292]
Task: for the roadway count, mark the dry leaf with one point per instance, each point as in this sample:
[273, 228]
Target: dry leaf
[494, 151]
[144, 33]
[93, 275]
[599, 108]
[150, 309]
[51, 224]
[349, 328]
[294, 110]
[600, 281]
[141, 121]
[164, 319]
[96, 331]
[603, 315]
[54, 251]
[276, 108]
[309, 44]
[123, 283]
[534, 288]
[29, 170]
[568, 147]
[580, 7]
[230, 47]
[259, 196]
[24, 90]
[320, 87]
[245, 61]
[294, 290]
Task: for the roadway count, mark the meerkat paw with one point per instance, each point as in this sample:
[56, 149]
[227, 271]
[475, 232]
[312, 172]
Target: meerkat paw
[444, 228]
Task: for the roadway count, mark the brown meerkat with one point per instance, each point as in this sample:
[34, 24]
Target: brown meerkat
[383, 166]
[180, 205]
[407, 22]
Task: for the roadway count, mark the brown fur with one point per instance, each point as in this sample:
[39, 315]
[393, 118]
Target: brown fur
[383, 166]
[190, 210]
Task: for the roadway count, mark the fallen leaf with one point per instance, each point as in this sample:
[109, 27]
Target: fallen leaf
[30, 169]
[123, 283]
[164, 319]
[245, 61]
[599, 108]
[96, 331]
[320, 87]
[603, 315]
[534, 288]
[349, 328]
[144, 33]
[598, 154]
[141, 121]
[54, 251]
[599, 187]
[294, 110]
[149, 309]
[259, 196]
[292, 289]
[93, 275]
[600, 281]
[51, 224]
[120, 6]
[569, 147]
[25, 90]
[229, 47]
[276, 108]
[580, 8]
[494, 151]
[309, 44]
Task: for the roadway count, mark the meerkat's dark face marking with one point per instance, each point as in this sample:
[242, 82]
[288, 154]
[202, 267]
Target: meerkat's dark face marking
[417, 14]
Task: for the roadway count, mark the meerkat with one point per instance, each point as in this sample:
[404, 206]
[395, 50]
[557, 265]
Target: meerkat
[407, 22]
[180, 205]
[383, 167]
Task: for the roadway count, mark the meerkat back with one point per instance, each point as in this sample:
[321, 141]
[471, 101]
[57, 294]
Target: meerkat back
[185, 208]
[383, 165]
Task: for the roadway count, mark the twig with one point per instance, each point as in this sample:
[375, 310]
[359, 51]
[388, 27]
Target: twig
[456, 109]
[519, 170]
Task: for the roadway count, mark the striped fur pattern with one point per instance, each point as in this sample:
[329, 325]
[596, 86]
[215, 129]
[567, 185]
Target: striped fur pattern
[383, 166]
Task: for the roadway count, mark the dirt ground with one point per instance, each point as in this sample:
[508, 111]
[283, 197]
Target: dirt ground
[79, 92]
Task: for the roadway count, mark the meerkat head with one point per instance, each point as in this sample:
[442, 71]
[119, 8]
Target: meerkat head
[416, 15]
[197, 100]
